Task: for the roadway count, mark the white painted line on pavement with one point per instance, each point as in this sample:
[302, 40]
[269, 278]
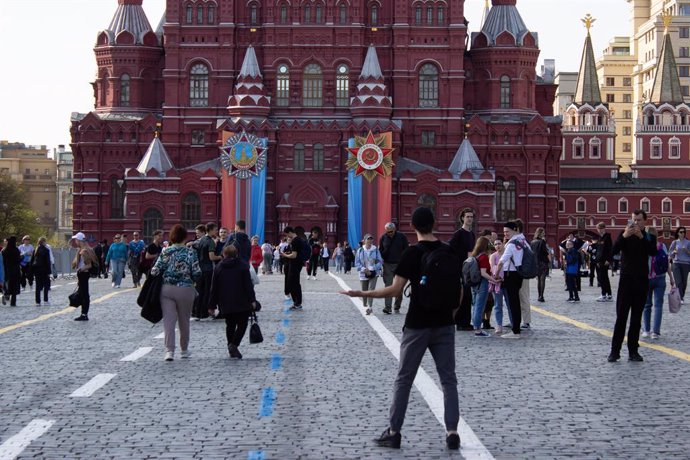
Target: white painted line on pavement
[92, 386]
[160, 336]
[470, 447]
[14, 446]
[143, 351]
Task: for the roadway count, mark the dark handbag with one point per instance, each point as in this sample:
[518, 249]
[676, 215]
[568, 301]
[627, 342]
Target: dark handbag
[75, 299]
[255, 335]
[371, 275]
[149, 299]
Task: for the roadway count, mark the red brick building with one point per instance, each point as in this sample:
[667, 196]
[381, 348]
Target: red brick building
[469, 117]
[592, 188]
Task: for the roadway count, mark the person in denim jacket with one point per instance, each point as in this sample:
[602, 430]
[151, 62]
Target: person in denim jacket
[369, 264]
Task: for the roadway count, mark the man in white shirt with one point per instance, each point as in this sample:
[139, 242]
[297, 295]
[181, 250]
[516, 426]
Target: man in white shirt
[507, 271]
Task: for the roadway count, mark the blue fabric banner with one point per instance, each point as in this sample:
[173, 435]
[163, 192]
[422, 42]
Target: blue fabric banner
[257, 206]
[354, 205]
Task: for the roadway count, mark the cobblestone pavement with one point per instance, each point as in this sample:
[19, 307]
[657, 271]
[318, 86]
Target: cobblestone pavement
[320, 384]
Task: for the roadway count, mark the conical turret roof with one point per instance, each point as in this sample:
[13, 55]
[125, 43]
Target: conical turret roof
[371, 67]
[130, 17]
[587, 90]
[249, 98]
[666, 81]
[371, 95]
[156, 158]
[505, 17]
[465, 158]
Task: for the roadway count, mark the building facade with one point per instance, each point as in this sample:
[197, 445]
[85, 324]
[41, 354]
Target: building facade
[470, 120]
[65, 187]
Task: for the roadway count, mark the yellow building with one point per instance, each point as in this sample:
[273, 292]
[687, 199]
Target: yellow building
[614, 70]
[37, 173]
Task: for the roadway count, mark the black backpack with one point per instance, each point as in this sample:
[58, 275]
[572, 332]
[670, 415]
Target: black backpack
[440, 282]
[529, 268]
[304, 253]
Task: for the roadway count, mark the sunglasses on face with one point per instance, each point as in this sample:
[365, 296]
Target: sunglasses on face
[370, 238]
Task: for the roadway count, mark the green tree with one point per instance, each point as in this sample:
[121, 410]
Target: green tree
[16, 216]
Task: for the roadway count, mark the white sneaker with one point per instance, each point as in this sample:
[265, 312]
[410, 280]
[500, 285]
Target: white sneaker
[510, 335]
[655, 336]
[168, 356]
[645, 334]
[601, 298]
[185, 354]
[47, 302]
[112, 284]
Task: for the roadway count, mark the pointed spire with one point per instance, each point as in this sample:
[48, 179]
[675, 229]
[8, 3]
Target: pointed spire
[249, 98]
[485, 13]
[155, 158]
[250, 66]
[666, 86]
[465, 159]
[129, 17]
[587, 90]
[371, 67]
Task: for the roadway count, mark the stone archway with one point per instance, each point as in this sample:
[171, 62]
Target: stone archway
[309, 204]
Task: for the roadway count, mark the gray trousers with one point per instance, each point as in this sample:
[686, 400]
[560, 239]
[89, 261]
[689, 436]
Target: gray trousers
[680, 276]
[176, 303]
[368, 285]
[441, 343]
[388, 275]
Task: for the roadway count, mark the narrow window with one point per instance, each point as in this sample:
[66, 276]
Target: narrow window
[254, 15]
[505, 92]
[199, 14]
[190, 14]
[342, 86]
[319, 13]
[299, 157]
[211, 14]
[428, 86]
[124, 90]
[307, 14]
[191, 210]
[283, 14]
[440, 16]
[198, 86]
[342, 13]
[374, 15]
[318, 157]
[418, 15]
[312, 86]
[283, 86]
[429, 15]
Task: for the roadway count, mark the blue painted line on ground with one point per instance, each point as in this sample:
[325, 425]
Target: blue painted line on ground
[256, 455]
[280, 338]
[276, 361]
[267, 399]
[286, 322]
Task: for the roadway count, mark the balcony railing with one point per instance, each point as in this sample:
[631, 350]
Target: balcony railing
[588, 128]
[663, 128]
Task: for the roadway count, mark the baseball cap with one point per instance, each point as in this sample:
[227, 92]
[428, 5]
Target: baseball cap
[367, 236]
[79, 237]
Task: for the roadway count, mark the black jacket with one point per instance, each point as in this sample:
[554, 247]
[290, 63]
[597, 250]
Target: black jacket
[232, 290]
[635, 255]
[40, 261]
[391, 248]
[242, 243]
[605, 253]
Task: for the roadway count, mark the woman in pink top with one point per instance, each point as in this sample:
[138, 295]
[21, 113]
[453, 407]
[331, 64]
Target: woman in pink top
[495, 288]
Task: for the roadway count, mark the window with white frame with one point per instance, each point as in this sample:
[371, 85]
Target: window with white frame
[342, 86]
[198, 86]
[666, 206]
[674, 148]
[686, 206]
[623, 206]
[283, 86]
[601, 205]
[595, 148]
[644, 204]
[578, 148]
[655, 148]
[581, 205]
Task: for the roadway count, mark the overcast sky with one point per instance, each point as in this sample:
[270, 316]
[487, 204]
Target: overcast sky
[47, 59]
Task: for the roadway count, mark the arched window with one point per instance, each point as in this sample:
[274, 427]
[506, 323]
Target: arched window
[428, 86]
[578, 148]
[623, 206]
[674, 148]
[374, 16]
[312, 86]
[505, 200]
[429, 15]
[318, 157]
[191, 211]
[595, 148]
[655, 148]
[153, 220]
[190, 14]
[342, 86]
[253, 14]
[427, 200]
[505, 92]
[342, 13]
[283, 86]
[418, 15]
[198, 86]
[211, 14]
[666, 206]
[199, 14]
[117, 198]
[580, 205]
[124, 90]
[307, 14]
[602, 205]
[440, 16]
[299, 157]
[319, 14]
[644, 204]
[283, 14]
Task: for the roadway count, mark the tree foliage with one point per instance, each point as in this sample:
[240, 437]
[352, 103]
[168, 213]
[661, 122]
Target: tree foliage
[16, 216]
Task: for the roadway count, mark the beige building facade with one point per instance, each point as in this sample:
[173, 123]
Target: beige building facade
[64, 198]
[565, 94]
[614, 70]
[37, 173]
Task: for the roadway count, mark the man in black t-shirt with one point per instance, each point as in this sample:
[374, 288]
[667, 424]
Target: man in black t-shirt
[152, 252]
[463, 243]
[292, 265]
[205, 247]
[432, 329]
